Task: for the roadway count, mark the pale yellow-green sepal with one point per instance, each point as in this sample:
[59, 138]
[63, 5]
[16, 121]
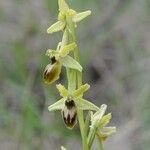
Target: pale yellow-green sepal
[85, 105]
[69, 62]
[80, 91]
[66, 49]
[62, 90]
[58, 26]
[80, 16]
[59, 105]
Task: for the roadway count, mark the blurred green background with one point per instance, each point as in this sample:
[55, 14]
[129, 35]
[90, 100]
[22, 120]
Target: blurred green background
[114, 47]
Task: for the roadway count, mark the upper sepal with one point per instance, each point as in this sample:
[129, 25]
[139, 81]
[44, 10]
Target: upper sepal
[63, 7]
[81, 90]
[62, 90]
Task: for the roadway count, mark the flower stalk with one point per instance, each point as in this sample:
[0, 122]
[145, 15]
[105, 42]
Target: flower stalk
[72, 104]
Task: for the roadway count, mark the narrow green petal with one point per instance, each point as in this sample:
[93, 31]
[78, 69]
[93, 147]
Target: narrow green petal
[85, 105]
[69, 62]
[66, 49]
[59, 25]
[62, 90]
[79, 92]
[63, 7]
[59, 105]
[80, 16]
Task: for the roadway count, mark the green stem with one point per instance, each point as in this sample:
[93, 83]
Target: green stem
[91, 136]
[100, 145]
[72, 36]
[70, 73]
[87, 122]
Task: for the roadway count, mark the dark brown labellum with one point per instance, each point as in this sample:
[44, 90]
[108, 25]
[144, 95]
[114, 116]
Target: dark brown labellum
[69, 114]
[52, 72]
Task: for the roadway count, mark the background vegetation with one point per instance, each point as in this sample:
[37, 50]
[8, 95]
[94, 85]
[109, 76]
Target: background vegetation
[115, 52]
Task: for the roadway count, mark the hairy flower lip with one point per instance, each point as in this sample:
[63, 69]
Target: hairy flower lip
[69, 113]
[52, 72]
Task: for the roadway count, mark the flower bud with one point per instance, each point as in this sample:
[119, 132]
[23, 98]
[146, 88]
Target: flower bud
[52, 71]
[69, 114]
